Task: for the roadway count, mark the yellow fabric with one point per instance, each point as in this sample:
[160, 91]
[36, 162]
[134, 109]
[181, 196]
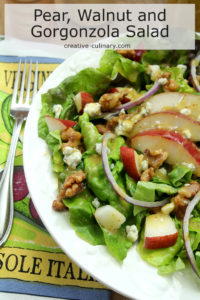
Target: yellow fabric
[30, 254]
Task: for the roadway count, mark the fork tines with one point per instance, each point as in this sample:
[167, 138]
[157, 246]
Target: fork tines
[22, 84]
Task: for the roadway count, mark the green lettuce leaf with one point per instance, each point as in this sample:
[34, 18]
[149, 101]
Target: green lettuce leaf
[176, 264]
[117, 243]
[180, 175]
[113, 64]
[82, 218]
[169, 57]
[160, 257]
[148, 191]
[90, 134]
[101, 187]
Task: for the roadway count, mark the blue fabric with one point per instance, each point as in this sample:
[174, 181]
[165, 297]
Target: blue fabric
[49, 290]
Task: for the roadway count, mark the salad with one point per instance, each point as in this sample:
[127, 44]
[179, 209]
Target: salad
[124, 145]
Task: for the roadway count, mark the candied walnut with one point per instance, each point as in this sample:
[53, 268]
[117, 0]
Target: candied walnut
[102, 128]
[147, 174]
[77, 177]
[58, 203]
[72, 137]
[72, 186]
[155, 158]
[110, 101]
[127, 53]
[112, 123]
[180, 205]
[189, 191]
[171, 86]
[74, 190]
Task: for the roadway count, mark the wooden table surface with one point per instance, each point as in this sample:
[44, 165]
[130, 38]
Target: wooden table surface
[115, 296]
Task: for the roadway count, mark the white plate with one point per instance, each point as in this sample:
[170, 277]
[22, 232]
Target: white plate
[134, 278]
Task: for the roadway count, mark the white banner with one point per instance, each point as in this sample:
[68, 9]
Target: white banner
[138, 26]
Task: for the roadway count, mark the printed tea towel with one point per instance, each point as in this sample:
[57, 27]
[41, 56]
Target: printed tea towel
[31, 262]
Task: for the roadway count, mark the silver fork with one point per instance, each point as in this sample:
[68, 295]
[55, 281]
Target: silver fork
[19, 111]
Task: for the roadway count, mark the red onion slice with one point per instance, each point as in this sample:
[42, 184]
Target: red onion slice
[194, 80]
[144, 97]
[186, 238]
[118, 190]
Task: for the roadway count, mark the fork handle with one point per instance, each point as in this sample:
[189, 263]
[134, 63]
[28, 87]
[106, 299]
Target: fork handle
[6, 187]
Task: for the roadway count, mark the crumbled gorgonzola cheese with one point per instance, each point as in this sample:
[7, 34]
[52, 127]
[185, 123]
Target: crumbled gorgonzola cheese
[182, 67]
[96, 202]
[132, 233]
[57, 108]
[189, 165]
[187, 133]
[72, 157]
[93, 109]
[185, 111]
[162, 81]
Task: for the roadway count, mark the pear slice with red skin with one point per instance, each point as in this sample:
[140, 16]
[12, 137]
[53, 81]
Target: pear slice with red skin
[169, 120]
[174, 102]
[81, 99]
[160, 231]
[129, 158]
[180, 150]
[58, 124]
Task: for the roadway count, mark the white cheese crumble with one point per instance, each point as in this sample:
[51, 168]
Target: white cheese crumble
[144, 164]
[122, 112]
[96, 202]
[112, 166]
[162, 81]
[187, 133]
[72, 157]
[154, 71]
[189, 165]
[93, 109]
[182, 67]
[98, 148]
[132, 233]
[148, 106]
[124, 127]
[143, 111]
[163, 171]
[57, 108]
[185, 111]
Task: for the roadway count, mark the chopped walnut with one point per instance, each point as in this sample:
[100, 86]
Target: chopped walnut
[171, 86]
[182, 199]
[180, 205]
[190, 190]
[72, 186]
[72, 137]
[127, 53]
[112, 123]
[110, 101]
[147, 174]
[155, 158]
[102, 128]
[58, 203]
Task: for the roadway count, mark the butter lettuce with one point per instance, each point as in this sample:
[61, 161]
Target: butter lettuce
[169, 57]
[160, 257]
[54, 143]
[82, 218]
[113, 64]
[180, 175]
